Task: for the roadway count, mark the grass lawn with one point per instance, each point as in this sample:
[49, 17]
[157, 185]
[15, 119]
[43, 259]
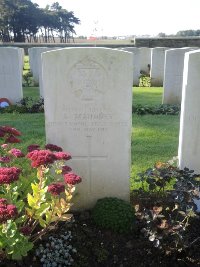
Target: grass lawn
[151, 96]
[154, 137]
[32, 92]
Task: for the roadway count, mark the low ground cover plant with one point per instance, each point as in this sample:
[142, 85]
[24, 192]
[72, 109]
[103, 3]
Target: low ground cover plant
[36, 190]
[170, 206]
[115, 214]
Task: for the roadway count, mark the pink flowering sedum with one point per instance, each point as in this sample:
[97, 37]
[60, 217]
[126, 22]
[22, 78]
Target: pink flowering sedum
[4, 146]
[33, 147]
[41, 157]
[7, 211]
[62, 156]
[10, 130]
[53, 147]
[17, 153]
[72, 179]
[12, 139]
[9, 175]
[26, 230]
[66, 169]
[5, 159]
[56, 189]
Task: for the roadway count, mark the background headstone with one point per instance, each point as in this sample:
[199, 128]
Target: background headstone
[145, 59]
[36, 64]
[88, 100]
[157, 65]
[173, 75]
[11, 74]
[136, 63]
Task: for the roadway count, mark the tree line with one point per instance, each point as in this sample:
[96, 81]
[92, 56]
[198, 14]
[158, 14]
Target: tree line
[186, 33]
[24, 21]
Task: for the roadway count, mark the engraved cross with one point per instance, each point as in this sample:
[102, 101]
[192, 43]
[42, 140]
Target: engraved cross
[89, 157]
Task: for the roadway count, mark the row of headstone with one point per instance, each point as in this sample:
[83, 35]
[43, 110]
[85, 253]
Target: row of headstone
[11, 71]
[166, 69]
[87, 93]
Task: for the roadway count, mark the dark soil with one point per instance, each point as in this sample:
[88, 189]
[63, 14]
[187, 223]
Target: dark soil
[103, 248]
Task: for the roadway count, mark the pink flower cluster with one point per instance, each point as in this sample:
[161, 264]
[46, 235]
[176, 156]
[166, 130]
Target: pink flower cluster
[5, 159]
[33, 147]
[62, 156]
[72, 179]
[16, 153]
[56, 189]
[66, 169]
[9, 175]
[41, 157]
[10, 133]
[26, 230]
[53, 147]
[7, 211]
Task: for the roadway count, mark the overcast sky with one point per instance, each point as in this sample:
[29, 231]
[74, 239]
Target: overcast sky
[132, 17]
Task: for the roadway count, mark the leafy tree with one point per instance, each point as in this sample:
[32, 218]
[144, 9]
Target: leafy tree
[22, 20]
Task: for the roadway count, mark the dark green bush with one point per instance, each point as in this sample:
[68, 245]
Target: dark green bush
[164, 109]
[26, 105]
[115, 214]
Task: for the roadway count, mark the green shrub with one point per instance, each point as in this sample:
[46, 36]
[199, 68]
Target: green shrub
[115, 214]
[164, 109]
[165, 221]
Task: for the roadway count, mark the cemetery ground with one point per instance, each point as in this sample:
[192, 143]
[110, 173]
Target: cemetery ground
[154, 138]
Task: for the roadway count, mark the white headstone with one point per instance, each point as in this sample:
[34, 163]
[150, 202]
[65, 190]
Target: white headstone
[88, 99]
[189, 137]
[35, 59]
[173, 75]
[157, 65]
[11, 74]
[36, 63]
[145, 59]
[136, 64]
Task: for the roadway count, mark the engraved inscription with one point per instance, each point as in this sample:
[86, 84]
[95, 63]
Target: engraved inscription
[87, 80]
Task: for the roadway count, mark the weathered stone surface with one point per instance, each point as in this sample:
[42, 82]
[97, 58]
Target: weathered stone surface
[88, 99]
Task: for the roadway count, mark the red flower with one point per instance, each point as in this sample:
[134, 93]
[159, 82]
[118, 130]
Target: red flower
[2, 133]
[72, 178]
[41, 157]
[3, 201]
[7, 211]
[56, 188]
[16, 152]
[62, 155]
[10, 130]
[12, 139]
[9, 175]
[5, 159]
[33, 147]
[66, 169]
[53, 147]
[26, 230]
